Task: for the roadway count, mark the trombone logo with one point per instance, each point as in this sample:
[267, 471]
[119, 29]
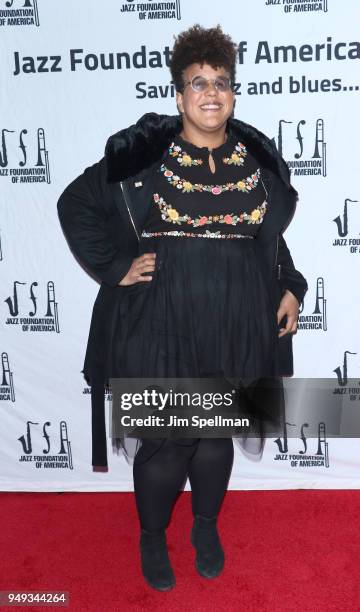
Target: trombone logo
[24, 310]
[308, 156]
[299, 6]
[317, 319]
[24, 157]
[342, 222]
[19, 13]
[7, 389]
[151, 10]
[303, 457]
[39, 446]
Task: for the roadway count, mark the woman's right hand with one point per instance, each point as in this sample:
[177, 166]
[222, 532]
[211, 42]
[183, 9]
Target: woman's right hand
[144, 263]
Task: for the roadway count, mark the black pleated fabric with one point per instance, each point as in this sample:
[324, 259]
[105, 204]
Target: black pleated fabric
[206, 312]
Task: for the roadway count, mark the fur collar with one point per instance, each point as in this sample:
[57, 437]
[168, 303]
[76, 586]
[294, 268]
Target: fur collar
[139, 146]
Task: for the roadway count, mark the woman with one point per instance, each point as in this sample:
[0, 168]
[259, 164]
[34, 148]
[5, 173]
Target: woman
[182, 222]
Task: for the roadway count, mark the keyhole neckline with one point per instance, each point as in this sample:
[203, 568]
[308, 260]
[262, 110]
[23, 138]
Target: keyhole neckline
[211, 163]
[204, 152]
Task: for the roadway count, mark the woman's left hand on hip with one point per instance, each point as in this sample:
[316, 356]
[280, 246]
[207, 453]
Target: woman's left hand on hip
[289, 306]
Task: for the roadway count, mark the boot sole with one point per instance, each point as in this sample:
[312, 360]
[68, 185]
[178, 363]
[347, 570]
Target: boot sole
[162, 589]
[199, 570]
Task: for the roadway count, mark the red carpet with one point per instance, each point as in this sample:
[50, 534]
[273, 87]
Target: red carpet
[285, 551]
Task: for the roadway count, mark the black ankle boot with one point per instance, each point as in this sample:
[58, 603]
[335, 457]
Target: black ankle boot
[155, 562]
[209, 552]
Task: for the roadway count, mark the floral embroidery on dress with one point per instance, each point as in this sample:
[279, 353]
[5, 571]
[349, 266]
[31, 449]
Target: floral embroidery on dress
[171, 215]
[207, 234]
[245, 185]
[182, 157]
[237, 157]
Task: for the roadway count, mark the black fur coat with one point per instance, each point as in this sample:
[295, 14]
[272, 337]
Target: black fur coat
[102, 213]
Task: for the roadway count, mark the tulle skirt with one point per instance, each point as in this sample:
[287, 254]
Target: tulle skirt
[207, 312]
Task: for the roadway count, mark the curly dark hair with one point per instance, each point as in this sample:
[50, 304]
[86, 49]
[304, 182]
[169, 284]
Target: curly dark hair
[198, 45]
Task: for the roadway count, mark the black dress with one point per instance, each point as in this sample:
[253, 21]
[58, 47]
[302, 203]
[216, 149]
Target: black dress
[207, 311]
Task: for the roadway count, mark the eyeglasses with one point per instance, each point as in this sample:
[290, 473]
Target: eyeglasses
[200, 83]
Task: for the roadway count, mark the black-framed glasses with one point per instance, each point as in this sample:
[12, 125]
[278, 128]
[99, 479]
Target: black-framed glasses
[200, 84]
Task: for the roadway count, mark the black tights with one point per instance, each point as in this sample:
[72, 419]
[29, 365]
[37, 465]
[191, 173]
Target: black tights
[160, 473]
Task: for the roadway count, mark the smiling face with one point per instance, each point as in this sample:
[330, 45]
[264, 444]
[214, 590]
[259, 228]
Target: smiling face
[204, 113]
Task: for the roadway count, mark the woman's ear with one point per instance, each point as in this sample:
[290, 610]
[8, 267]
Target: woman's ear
[179, 102]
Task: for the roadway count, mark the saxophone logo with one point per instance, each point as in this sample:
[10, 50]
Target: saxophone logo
[345, 385]
[303, 457]
[308, 156]
[26, 295]
[7, 390]
[342, 223]
[40, 452]
[299, 6]
[152, 10]
[24, 157]
[19, 13]
[317, 319]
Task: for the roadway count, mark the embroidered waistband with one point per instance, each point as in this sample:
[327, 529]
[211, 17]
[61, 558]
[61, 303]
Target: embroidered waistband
[181, 233]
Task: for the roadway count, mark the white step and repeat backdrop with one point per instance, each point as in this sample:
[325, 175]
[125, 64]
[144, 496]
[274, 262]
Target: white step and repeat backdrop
[73, 73]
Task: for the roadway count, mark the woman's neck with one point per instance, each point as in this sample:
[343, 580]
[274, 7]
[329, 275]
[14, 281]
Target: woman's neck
[211, 140]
